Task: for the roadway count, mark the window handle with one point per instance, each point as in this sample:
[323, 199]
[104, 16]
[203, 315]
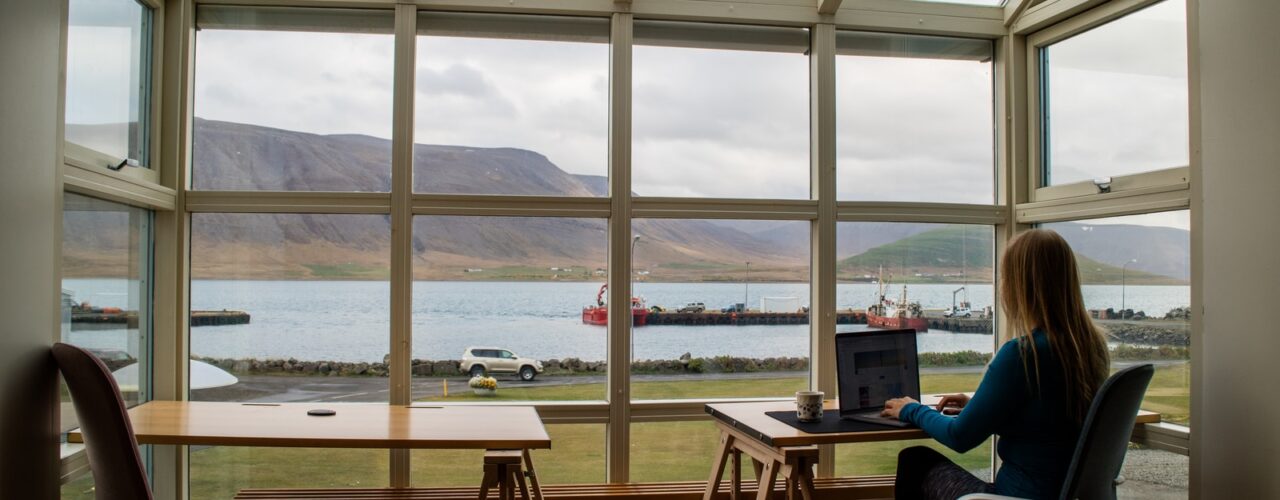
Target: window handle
[127, 161]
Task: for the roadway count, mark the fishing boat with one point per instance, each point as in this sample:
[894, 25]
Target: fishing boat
[896, 314]
[599, 313]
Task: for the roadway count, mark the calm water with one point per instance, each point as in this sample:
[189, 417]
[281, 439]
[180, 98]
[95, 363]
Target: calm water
[349, 320]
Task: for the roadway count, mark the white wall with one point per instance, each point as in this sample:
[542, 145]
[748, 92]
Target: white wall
[1236, 414]
[29, 47]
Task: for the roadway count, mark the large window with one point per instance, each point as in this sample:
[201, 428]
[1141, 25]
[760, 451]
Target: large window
[1115, 98]
[1135, 273]
[106, 302]
[291, 307]
[510, 298]
[720, 111]
[292, 100]
[937, 279]
[721, 308]
[511, 105]
[914, 118]
[108, 77]
[106, 290]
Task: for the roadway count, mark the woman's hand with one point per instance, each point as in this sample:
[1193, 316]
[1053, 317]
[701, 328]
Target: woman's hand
[894, 406]
[951, 404]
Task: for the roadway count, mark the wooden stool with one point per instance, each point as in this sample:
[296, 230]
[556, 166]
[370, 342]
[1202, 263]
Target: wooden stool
[502, 469]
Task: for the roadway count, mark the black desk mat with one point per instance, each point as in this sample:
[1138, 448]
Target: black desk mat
[831, 422]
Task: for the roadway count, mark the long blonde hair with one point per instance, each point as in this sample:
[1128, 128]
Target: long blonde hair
[1040, 290]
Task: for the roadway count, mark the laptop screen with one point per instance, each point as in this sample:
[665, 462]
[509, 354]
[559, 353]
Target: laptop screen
[875, 366]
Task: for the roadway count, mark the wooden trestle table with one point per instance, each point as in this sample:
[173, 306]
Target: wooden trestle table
[355, 425]
[776, 448]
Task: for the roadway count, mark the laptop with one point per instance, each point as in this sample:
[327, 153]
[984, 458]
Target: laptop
[873, 367]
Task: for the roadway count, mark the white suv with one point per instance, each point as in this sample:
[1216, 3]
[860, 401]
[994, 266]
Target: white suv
[479, 361]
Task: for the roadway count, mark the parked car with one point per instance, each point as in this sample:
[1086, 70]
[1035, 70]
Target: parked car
[693, 307]
[736, 308]
[479, 361]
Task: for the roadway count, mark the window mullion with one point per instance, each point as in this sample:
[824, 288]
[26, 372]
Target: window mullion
[402, 225]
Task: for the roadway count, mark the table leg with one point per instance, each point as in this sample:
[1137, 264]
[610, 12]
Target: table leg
[806, 481]
[767, 480]
[717, 466]
[735, 486]
[519, 477]
[490, 478]
[533, 476]
[758, 466]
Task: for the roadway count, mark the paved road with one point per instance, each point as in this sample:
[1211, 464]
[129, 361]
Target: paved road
[268, 388]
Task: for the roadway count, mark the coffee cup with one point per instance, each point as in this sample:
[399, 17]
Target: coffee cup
[809, 406]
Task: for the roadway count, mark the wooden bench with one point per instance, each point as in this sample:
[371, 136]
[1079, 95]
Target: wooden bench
[862, 487]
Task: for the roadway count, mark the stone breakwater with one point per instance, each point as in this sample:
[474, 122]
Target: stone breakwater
[1151, 333]
[574, 366]
[451, 368]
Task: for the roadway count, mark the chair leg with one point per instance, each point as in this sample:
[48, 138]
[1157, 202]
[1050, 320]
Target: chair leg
[519, 478]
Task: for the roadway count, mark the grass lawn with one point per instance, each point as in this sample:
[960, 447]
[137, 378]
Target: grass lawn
[660, 451]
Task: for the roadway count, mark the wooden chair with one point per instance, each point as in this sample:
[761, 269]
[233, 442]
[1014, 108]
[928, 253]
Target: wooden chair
[113, 451]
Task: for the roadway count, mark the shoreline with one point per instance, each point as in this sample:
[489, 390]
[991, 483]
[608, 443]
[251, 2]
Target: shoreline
[685, 365]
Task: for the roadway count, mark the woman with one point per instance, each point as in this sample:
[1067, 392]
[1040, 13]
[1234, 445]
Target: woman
[1035, 393]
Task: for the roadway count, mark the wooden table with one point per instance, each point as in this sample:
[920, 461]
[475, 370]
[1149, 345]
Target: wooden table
[354, 426]
[776, 448]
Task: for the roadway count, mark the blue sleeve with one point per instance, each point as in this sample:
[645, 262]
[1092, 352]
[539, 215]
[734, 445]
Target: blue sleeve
[1001, 391]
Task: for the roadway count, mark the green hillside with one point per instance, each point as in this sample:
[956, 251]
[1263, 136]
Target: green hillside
[937, 255]
[940, 248]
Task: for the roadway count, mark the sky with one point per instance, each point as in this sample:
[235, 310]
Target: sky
[713, 123]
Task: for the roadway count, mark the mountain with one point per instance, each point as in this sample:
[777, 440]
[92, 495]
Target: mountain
[959, 253]
[232, 156]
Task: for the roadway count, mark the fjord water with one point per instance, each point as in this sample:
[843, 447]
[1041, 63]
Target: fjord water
[350, 320]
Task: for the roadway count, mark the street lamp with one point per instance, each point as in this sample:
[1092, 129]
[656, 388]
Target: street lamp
[1123, 267]
[746, 286]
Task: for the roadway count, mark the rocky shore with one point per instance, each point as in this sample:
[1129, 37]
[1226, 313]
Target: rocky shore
[575, 366]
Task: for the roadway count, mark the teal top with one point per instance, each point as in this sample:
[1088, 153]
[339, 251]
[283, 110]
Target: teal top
[1037, 438]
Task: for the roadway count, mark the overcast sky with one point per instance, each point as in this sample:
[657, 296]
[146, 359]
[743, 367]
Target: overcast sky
[709, 122]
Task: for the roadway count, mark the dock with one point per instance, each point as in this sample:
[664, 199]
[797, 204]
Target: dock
[843, 317]
[129, 319]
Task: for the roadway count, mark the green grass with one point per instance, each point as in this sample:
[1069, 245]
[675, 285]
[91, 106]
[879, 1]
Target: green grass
[660, 451]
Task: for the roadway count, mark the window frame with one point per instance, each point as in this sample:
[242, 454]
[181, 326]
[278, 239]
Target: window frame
[1150, 182]
[169, 195]
[75, 156]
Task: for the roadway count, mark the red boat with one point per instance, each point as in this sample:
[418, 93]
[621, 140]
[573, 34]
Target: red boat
[599, 313]
[896, 315]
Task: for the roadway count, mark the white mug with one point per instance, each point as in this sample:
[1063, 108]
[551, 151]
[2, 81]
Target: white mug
[809, 406]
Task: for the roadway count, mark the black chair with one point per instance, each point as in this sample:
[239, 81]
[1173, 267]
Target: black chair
[1095, 466]
[108, 436]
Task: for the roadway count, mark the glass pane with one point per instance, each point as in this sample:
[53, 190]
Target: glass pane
[721, 308]
[716, 114]
[1116, 97]
[1152, 473]
[288, 307]
[1135, 273]
[504, 297]
[576, 457]
[676, 451]
[219, 472]
[293, 110]
[108, 77]
[937, 278]
[519, 113]
[914, 119]
[106, 291]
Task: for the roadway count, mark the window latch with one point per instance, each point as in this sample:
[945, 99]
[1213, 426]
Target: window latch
[127, 161]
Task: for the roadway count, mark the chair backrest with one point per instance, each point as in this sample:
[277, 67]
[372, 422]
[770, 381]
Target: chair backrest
[1105, 435]
[113, 451]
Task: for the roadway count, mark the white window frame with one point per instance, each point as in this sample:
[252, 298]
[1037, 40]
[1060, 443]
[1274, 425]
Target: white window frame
[1127, 187]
